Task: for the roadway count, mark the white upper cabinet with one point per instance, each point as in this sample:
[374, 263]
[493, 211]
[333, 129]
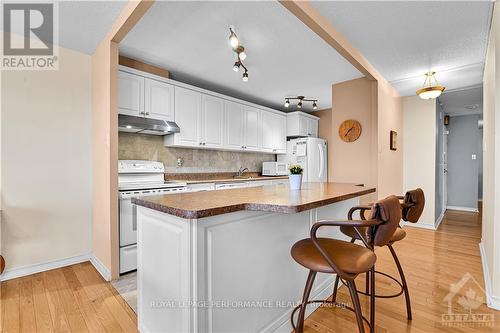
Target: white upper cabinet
[301, 124]
[252, 129]
[159, 100]
[212, 121]
[187, 113]
[130, 94]
[274, 132]
[235, 119]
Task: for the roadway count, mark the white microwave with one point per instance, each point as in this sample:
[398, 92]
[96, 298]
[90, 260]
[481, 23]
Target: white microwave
[274, 169]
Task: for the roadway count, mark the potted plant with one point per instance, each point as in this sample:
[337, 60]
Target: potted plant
[295, 177]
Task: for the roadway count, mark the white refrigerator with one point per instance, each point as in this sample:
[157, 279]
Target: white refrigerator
[311, 154]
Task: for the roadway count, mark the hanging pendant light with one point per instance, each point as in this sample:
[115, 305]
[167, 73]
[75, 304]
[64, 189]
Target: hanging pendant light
[431, 89]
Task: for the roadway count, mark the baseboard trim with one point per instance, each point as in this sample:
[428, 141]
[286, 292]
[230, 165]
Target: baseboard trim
[491, 300]
[100, 267]
[439, 220]
[17, 272]
[464, 209]
[419, 225]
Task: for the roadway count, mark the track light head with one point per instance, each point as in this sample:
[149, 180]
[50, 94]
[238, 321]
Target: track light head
[245, 76]
[236, 66]
[287, 103]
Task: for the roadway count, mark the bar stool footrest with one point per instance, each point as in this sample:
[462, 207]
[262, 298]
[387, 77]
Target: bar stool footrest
[339, 305]
[401, 291]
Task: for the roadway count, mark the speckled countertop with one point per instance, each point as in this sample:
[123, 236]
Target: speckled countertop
[273, 198]
[217, 177]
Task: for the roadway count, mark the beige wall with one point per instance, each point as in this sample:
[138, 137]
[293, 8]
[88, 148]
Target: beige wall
[491, 157]
[151, 147]
[46, 162]
[390, 162]
[419, 142]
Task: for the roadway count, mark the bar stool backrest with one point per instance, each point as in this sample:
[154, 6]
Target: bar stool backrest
[413, 205]
[387, 210]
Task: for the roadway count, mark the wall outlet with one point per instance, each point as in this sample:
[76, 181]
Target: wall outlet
[180, 161]
[473, 156]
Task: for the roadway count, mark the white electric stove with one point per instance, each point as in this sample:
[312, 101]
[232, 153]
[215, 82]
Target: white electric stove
[137, 179]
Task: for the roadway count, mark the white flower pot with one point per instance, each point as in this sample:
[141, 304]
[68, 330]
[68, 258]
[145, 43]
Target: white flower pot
[295, 182]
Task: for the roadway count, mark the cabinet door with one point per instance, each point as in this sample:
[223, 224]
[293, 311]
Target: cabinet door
[188, 117]
[303, 126]
[212, 121]
[280, 134]
[130, 94]
[312, 128]
[159, 100]
[252, 129]
[234, 115]
[268, 135]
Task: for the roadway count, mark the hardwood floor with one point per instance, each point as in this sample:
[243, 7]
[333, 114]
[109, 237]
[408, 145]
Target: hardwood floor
[70, 299]
[76, 298]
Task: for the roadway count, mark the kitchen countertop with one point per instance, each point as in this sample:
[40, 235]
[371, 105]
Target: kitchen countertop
[219, 177]
[272, 198]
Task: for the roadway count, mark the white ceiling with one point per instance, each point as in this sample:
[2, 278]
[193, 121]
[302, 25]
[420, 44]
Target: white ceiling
[83, 24]
[463, 102]
[285, 58]
[405, 39]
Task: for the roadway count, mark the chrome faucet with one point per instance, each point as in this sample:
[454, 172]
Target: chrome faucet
[241, 171]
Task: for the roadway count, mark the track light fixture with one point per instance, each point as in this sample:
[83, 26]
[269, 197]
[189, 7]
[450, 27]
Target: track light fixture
[240, 54]
[300, 100]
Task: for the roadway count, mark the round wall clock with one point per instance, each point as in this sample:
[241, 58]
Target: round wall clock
[350, 130]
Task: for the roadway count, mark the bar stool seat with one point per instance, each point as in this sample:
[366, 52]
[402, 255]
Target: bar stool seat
[350, 258]
[398, 235]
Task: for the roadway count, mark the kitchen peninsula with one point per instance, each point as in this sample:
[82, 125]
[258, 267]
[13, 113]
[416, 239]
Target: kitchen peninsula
[220, 261]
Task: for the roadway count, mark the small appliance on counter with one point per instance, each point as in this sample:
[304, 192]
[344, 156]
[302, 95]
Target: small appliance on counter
[311, 154]
[274, 169]
[138, 179]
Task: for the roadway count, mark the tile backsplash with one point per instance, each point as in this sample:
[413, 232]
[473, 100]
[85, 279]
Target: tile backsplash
[150, 147]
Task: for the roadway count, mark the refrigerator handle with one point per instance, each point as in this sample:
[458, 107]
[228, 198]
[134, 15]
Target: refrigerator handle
[321, 161]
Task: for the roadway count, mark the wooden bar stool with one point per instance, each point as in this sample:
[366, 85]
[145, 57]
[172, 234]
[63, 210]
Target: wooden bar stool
[412, 206]
[345, 259]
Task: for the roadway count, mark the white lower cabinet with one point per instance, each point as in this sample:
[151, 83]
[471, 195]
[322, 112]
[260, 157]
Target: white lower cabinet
[200, 187]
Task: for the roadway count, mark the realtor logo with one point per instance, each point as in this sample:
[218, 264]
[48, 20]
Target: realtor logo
[29, 36]
[463, 302]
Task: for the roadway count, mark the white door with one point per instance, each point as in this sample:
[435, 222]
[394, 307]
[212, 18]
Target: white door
[316, 160]
[130, 94]
[234, 116]
[212, 121]
[252, 129]
[188, 117]
[159, 100]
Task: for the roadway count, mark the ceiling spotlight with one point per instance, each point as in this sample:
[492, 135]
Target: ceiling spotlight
[245, 76]
[233, 39]
[315, 106]
[287, 103]
[242, 55]
[236, 66]
[430, 90]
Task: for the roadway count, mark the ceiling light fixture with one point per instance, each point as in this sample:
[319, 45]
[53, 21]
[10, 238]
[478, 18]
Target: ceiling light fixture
[300, 100]
[240, 54]
[431, 89]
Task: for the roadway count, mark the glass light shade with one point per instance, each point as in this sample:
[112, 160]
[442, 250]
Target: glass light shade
[233, 40]
[242, 55]
[287, 103]
[430, 92]
[315, 106]
[236, 67]
[245, 77]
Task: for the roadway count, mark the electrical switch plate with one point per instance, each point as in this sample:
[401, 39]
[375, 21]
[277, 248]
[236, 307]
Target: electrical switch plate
[473, 156]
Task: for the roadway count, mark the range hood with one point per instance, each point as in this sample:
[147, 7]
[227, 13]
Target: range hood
[143, 125]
